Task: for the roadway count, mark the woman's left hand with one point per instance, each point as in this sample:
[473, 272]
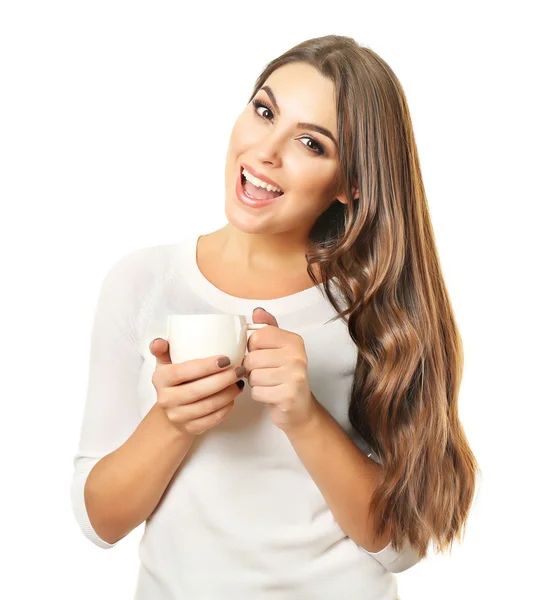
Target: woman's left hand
[276, 366]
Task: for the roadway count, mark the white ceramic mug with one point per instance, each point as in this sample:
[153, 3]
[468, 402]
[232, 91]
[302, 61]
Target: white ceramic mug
[200, 336]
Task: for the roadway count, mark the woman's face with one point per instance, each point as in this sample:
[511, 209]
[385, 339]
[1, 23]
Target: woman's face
[303, 162]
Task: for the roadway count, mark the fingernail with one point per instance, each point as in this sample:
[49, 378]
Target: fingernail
[241, 383]
[240, 371]
[153, 341]
[259, 307]
[224, 361]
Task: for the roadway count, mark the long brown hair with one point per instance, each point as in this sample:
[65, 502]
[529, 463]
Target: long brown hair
[381, 250]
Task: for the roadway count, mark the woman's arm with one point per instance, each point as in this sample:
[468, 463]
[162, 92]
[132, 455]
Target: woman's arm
[125, 460]
[347, 479]
[124, 487]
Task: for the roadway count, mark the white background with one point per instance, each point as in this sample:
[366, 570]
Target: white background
[114, 123]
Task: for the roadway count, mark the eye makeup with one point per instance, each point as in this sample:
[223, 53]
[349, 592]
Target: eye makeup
[318, 149]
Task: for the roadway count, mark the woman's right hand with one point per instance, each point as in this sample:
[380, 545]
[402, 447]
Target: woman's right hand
[196, 395]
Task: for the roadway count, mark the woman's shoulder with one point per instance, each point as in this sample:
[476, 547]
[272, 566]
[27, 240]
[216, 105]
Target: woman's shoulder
[142, 267]
[152, 259]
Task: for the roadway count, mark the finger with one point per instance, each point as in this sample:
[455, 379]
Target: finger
[190, 411]
[201, 368]
[266, 376]
[198, 426]
[181, 390]
[160, 349]
[265, 359]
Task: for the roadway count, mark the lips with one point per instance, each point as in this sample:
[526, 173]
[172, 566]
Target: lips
[248, 200]
[242, 184]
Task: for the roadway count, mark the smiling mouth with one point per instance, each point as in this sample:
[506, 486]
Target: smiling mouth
[243, 181]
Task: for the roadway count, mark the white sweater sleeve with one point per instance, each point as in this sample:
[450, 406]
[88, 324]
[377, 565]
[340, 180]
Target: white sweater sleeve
[396, 562]
[392, 561]
[110, 413]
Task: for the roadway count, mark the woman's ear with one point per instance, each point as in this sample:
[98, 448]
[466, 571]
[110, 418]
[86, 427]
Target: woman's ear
[343, 199]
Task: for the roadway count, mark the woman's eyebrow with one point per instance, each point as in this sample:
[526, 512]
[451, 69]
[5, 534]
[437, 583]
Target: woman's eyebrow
[311, 126]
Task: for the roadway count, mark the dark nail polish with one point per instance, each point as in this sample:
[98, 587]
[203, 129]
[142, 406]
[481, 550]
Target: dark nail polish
[241, 383]
[240, 371]
[224, 361]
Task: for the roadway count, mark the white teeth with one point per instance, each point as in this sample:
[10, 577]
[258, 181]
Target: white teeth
[259, 183]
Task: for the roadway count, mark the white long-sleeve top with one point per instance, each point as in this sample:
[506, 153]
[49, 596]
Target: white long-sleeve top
[241, 519]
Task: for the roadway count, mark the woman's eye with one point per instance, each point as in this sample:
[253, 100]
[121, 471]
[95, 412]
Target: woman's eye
[317, 148]
[258, 105]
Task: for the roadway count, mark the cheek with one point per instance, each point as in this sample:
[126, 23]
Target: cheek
[315, 185]
[243, 133]
[236, 149]
[312, 195]
[304, 208]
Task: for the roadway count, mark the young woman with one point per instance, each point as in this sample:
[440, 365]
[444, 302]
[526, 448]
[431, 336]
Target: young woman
[343, 457]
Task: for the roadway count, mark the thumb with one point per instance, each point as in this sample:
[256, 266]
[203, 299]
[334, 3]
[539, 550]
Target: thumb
[160, 349]
[263, 316]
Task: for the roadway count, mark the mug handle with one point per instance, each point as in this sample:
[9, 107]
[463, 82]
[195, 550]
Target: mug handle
[251, 327]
